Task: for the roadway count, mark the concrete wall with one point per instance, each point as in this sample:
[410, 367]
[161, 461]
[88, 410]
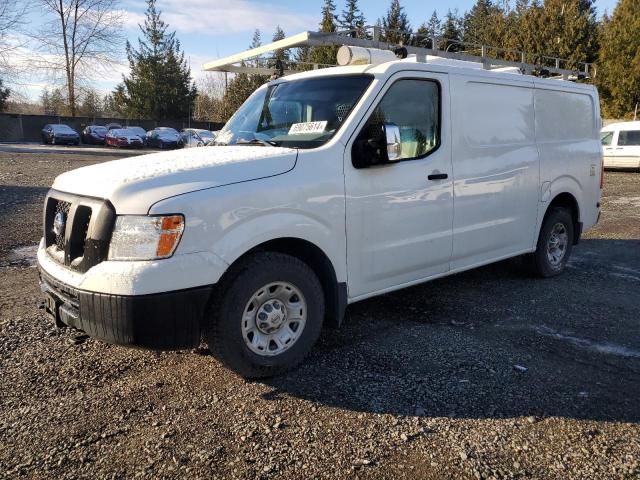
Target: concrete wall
[26, 128]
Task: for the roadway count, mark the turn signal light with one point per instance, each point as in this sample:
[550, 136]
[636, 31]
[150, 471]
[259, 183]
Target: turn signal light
[172, 228]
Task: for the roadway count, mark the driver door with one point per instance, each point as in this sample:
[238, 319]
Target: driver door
[399, 214]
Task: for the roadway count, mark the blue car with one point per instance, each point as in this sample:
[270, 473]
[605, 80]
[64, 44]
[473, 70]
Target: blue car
[60, 134]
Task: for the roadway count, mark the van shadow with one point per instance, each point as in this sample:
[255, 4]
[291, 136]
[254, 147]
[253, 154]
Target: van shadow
[490, 343]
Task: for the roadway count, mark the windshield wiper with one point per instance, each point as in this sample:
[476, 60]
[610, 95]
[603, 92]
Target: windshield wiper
[257, 141]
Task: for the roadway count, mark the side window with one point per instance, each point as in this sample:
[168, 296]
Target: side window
[606, 138]
[629, 137]
[414, 107]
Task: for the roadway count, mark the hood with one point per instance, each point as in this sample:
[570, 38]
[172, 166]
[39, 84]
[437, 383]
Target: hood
[134, 184]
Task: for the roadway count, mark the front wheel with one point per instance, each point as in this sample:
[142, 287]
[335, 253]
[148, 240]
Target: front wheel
[554, 244]
[268, 315]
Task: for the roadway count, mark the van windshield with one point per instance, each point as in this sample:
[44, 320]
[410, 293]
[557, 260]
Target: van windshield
[299, 113]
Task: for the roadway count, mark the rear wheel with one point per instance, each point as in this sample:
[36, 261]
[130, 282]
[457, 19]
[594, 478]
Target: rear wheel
[268, 315]
[554, 244]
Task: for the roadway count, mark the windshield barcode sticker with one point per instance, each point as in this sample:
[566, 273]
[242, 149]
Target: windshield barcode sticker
[308, 127]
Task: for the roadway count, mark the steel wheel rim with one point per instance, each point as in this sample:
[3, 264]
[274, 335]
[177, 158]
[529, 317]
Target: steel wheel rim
[274, 318]
[557, 244]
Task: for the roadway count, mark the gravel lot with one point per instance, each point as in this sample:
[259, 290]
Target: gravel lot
[484, 374]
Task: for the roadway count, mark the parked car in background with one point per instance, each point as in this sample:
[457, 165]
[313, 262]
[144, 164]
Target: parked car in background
[141, 132]
[621, 145]
[111, 126]
[59, 133]
[196, 137]
[124, 137]
[164, 137]
[94, 134]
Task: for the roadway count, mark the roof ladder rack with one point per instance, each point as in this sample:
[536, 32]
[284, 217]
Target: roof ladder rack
[255, 61]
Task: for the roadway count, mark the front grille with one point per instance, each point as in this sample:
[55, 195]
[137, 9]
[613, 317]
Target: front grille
[62, 207]
[83, 231]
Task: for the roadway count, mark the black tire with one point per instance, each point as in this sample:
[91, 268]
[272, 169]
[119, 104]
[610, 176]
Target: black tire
[538, 263]
[224, 335]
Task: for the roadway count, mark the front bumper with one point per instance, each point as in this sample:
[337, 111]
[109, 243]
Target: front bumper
[162, 321]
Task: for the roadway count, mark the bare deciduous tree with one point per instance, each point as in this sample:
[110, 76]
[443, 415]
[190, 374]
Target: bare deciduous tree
[81, 37]
[210, 100]
[12, 16]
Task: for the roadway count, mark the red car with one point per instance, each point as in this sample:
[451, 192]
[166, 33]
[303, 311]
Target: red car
[122, 137]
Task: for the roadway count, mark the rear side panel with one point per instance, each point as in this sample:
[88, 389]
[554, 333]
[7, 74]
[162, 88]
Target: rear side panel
[495, 166]
[567, 133]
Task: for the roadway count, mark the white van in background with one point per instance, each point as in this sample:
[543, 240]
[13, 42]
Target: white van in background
[327, 187]
[621, 145]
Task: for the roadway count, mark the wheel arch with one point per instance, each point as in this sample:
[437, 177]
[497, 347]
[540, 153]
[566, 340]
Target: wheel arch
[335, 293]
[568, 200]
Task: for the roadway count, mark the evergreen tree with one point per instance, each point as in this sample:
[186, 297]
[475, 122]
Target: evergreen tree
[242, 85]
[428, 30]
[57, 103]
[570, 30]
[4, 95]
[395, 19]
[353, 19]
[451, 32]
[256, 42]
[159, 83]
[90, 106]
[484, 24]
[45, 101]
[618, 76]
[281, 53]
[240, 88]
[529, 22]
[110, 107]
[325, 55]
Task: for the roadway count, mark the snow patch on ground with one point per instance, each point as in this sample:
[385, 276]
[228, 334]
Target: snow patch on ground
[604, 347]
[22, 256]
[633, 201]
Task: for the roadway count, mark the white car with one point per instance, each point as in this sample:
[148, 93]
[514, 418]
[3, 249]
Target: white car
[621, 145]
[328, 187]
[196, 137]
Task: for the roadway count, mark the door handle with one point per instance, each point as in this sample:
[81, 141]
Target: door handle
[438, 176]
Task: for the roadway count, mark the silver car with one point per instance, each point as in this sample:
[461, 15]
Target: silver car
[196, 137]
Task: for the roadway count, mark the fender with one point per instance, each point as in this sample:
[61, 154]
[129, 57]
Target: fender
[550, 191]
[262, 228]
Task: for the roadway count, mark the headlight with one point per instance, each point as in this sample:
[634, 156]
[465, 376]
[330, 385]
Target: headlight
[145, 237]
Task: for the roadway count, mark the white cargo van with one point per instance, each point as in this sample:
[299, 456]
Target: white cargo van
[326, 187]
[621, 145]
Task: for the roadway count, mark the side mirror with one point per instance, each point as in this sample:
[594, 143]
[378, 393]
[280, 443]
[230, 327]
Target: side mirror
[392, 134]
[376, 145]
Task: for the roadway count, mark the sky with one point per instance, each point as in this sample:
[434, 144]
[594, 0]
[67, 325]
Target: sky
[211, 29]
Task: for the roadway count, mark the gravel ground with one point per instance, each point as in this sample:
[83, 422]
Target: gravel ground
[484, 374]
